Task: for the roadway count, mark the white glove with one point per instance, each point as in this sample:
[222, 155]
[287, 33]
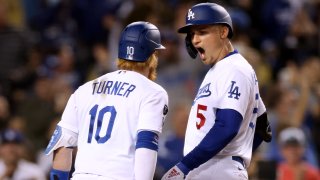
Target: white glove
[173, 174]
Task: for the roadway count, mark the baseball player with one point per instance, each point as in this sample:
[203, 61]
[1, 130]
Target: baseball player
[228, 119]
[115, 120]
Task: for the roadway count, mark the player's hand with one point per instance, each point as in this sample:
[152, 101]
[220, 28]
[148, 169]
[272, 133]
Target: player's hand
[173, 174]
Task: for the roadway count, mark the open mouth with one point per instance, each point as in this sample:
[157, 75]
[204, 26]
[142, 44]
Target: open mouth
[201, 52]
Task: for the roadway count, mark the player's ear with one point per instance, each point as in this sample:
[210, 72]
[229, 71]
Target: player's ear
[224, 30]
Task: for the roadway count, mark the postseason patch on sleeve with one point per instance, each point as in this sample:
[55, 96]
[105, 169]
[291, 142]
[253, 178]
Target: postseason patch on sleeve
[54, 139]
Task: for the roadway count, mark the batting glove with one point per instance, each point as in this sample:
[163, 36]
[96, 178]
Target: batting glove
[178, 172]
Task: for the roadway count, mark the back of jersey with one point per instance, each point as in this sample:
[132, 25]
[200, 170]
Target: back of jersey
[107, 113]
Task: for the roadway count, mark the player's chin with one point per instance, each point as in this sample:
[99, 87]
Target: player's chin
[206, 61]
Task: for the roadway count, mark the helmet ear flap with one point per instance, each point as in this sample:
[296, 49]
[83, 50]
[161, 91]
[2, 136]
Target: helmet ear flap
[192, 51]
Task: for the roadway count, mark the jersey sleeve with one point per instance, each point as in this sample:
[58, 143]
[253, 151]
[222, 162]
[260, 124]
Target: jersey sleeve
[233, 91]
[153, 111]
[261, 107]
[69, 115]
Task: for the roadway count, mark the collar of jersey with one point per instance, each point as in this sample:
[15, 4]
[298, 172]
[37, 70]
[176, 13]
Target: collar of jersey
[231, 53]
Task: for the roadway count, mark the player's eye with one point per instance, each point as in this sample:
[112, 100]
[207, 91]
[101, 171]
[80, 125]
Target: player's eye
[202, 32]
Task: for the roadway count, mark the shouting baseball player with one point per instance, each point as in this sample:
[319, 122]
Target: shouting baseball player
[228, 119]
[115, 120]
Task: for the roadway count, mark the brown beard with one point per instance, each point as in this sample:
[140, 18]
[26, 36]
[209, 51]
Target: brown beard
[152, 74]
[153, 68]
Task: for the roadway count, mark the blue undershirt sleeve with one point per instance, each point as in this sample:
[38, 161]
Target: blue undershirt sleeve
[59, 175]
[147, 139]
[226, 127]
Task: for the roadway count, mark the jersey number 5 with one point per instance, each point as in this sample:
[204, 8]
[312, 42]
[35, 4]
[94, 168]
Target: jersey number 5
[102, 112]
[200, 115]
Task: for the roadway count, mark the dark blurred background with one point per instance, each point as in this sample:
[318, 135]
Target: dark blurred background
[50, 47]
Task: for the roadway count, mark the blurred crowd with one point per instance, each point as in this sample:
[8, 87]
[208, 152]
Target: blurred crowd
[50, 47]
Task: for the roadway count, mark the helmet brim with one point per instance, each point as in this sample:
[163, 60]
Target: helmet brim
[161, 47]
[184, 29]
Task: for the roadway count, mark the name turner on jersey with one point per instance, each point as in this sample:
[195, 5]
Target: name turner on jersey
[113, 88]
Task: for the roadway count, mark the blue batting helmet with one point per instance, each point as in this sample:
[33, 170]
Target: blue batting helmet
[206, 14]
[138, 41]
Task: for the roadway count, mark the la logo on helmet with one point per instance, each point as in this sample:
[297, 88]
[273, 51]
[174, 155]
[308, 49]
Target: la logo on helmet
[190, 14]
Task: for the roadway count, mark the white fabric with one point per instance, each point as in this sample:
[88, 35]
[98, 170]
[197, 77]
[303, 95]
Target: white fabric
[107, 113]
[66, 139]
[230, 84]
[145, 163]
[25, 170]
[91, 177]
[219, 167]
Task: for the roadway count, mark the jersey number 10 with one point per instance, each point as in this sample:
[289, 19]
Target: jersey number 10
[102, 112]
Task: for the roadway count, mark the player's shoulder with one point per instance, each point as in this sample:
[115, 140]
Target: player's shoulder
[87, 86]
[235, 60]
[234, 66]
[237, 63]
[157, 87]
[152, 89]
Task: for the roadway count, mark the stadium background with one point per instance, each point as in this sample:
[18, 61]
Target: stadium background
[50, 47]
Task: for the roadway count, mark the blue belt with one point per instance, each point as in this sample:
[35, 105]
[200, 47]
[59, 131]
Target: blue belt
[238, 159]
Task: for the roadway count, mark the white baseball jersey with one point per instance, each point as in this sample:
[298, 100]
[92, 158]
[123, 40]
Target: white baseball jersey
[107, 114]
[230, 84]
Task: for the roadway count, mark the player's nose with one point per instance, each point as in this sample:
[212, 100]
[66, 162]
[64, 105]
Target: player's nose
[195, 39]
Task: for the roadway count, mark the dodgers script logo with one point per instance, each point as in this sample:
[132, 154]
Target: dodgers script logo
[203, 92]
[190, 14]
